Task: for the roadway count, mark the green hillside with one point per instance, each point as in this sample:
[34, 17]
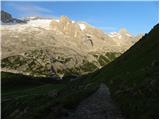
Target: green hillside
[36, 97]
[38, 62]
[133, 78]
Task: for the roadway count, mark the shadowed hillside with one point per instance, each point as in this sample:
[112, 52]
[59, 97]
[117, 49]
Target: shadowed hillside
[132, 80]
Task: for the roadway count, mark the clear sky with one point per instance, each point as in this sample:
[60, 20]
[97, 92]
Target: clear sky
[135, 16]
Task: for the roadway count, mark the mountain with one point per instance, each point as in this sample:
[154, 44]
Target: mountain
[61, 47]
[7, 18]
[127, 87]
[133, 82]
[133, 78]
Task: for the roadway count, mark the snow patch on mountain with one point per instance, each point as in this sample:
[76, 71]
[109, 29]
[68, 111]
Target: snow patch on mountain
[37, 23]
[115, 34]
[44, 23]
[129, 35]
[57, 20]
[119, 36]
[82, 26]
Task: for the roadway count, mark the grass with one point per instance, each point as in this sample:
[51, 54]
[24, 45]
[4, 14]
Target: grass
[103, 60]
[34, 97]
[36, 62]
[20, 93]
[133, 78]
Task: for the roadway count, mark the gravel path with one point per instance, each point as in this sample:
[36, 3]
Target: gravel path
[97, 106]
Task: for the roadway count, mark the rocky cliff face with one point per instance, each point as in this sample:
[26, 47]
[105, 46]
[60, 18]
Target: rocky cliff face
[7, 18]
[61, 47]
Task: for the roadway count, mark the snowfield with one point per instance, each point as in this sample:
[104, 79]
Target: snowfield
[82, 26]
[40, 23]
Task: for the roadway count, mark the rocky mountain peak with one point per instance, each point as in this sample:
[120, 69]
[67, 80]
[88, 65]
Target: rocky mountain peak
[123, 31]
[66, 26]
[64, 19]
[5, 17]
[69, 43]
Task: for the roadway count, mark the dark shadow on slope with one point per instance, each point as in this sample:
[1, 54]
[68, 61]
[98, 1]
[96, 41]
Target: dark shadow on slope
[133, 78]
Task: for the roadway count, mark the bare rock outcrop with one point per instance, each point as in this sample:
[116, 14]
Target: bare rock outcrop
[7, 18]
[67, 45]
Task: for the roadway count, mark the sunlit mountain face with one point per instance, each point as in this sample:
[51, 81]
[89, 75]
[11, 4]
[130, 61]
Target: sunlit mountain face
[69, 47]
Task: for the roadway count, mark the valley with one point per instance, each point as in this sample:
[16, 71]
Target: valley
[65, 69]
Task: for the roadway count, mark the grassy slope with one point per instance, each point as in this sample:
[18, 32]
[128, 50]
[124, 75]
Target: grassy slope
[31, 97]
[24, 96]
[133, 78]
[36, 62]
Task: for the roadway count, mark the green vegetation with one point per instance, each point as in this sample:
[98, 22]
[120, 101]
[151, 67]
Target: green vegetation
[107, 57]
[112, 55]
[34, 97]
[133, 78]
[13, 61]
[24, 96]
[103, 60]
[36, 62]
[85, 68]
[88, 66]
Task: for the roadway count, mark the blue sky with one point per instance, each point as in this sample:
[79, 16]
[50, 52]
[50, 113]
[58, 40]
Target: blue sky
[135, 16]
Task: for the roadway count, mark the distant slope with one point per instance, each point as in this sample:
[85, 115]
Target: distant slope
[61, 47]
[133, 78]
